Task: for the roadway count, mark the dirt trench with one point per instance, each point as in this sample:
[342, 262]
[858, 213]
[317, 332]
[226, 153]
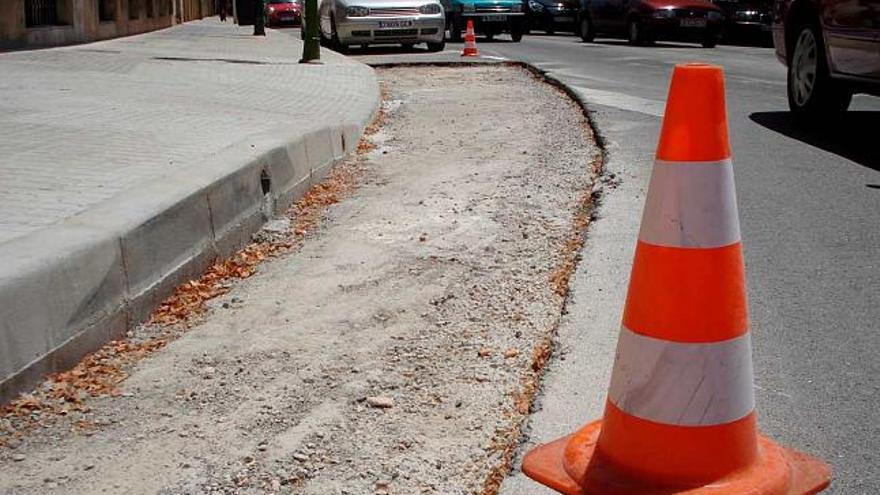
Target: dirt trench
[395, 351]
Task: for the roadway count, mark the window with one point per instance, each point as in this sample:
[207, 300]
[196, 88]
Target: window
[106, 10]
[150, 7]
[46, 13]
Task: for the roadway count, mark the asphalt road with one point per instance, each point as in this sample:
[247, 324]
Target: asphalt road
[810, 212]
[809, 204]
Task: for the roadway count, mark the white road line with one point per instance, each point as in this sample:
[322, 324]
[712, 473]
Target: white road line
[622, 101]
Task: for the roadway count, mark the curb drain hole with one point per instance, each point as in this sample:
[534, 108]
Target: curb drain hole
[265, 182]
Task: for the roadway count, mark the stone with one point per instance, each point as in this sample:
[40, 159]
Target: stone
[380, 402]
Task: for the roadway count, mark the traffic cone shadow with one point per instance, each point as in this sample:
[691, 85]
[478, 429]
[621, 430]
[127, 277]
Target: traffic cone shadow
[680, 412]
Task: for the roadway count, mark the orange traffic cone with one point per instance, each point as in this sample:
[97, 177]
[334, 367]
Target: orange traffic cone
[470, 41]
[679, 417]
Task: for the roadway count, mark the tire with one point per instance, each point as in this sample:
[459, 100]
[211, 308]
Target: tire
[550, 30]
[323, 40]
[812, 93]
[709, 40]
[516, 33]
[636, 33]
[585, 30]
[490, 36]
[454, 30]
[436, 47]
[408, 46]
[335, 44]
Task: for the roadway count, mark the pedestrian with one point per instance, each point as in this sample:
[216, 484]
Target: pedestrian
[221, 4]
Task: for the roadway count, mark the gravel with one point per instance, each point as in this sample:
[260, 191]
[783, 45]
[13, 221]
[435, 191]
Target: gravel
[388, 353]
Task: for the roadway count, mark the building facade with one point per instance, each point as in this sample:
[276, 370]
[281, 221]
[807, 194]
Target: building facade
[41, 23]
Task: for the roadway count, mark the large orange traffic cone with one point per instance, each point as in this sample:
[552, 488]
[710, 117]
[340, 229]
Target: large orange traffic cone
[679, 417]
[470, 41]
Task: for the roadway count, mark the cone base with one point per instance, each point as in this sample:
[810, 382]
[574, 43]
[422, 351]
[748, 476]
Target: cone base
[470, 54]
[569, 466]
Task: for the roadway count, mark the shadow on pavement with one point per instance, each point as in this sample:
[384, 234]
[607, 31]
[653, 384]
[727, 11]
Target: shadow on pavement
[656, 44]
[556, 34]
[386, 50]
[852, 137]
[752, 42]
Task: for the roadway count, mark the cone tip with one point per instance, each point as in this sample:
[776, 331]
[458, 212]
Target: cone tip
[695, 121]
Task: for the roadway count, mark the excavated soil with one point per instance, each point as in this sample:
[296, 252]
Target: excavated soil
[394, 351]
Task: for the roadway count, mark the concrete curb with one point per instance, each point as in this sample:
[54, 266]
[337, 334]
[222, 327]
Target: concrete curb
[67, 290]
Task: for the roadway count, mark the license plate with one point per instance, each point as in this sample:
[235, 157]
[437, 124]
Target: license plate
[693, 23]
[394, 24]
[564, 19]
[494, 18]
[287, 18]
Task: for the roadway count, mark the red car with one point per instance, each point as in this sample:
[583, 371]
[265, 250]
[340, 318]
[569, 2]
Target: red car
[831, 49]
[643, 21]
[279, 12]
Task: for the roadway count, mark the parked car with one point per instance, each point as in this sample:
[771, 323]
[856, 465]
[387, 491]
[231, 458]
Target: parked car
[491, 17]
[747, 20]
[343, 23]
[552, 15]
[279, 12]
[831, 49]
[644, 21]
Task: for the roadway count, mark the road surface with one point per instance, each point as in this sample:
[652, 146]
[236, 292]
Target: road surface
[810, 210]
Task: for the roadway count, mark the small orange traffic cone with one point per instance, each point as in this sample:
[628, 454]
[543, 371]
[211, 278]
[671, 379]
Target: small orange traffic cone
[470, 41]
[679, 417]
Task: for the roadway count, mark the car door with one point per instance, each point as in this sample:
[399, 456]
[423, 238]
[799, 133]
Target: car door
[600, 14]
[850, 28]
[617, 13]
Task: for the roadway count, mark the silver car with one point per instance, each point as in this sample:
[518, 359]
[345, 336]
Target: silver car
[371, 22]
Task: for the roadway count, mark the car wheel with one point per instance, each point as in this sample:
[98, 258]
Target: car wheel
[335, 44]
[550, 31]
[408, 46]
[436, 47]
[811, 91]
[586, 30]
[454, 30]
[636, 31]
[322, 39]
[489, 36]
[710, 39]
[516, 32]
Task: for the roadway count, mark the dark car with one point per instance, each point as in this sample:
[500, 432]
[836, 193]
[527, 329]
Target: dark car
[490, 18]
[552, 15]
[644, 21]
[831, 49]
[747, 20]
[279, 12]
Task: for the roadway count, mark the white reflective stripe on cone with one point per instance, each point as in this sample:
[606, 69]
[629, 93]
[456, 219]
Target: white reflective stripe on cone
[684, 384]
[691, 204]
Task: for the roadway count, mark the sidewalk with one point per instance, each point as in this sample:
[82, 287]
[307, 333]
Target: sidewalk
[127, 164]
[391, 352]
